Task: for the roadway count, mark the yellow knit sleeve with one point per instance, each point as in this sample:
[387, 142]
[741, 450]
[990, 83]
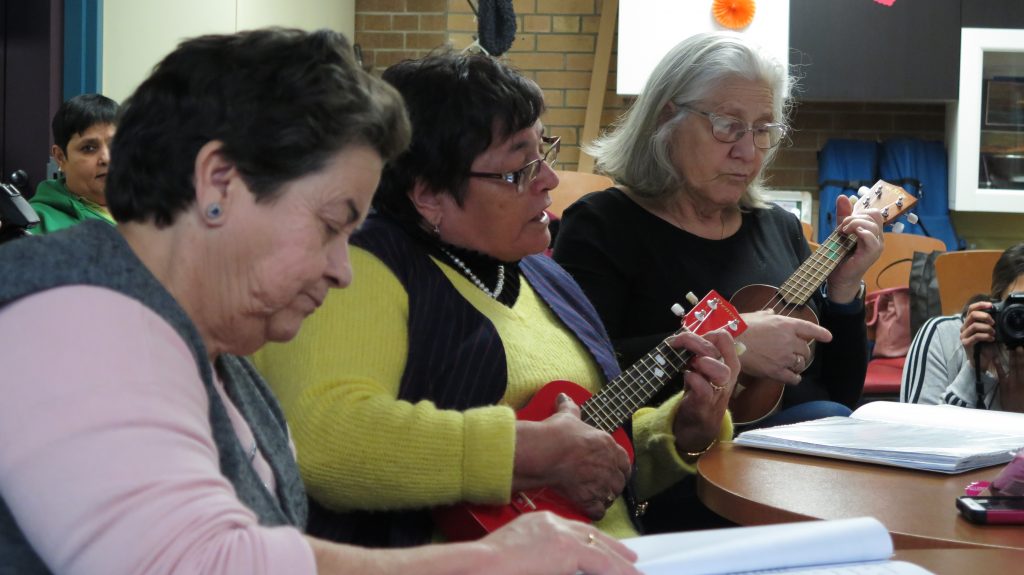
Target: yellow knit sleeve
[658, 463]
[358, 446]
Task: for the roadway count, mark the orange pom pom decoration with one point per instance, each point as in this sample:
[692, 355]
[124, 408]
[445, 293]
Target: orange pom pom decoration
[734, 14]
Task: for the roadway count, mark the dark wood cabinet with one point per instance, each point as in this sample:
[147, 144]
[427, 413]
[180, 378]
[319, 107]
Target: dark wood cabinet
[855, 50]
[992, 14]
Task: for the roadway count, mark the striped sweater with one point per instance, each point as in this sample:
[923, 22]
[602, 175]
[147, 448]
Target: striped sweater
[937, 370]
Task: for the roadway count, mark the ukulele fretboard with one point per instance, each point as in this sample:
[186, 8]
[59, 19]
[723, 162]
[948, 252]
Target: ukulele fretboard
[632, 389]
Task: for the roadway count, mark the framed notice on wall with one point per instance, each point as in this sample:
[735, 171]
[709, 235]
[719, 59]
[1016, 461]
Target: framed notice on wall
[648, 29]
[799, 204]
[1003, 102]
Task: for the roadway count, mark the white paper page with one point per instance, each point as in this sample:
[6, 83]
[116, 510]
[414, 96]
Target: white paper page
[931, 448]
[947, 416]
[741, 549]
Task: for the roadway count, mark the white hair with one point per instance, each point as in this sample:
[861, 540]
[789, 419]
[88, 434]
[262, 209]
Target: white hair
[637, 152]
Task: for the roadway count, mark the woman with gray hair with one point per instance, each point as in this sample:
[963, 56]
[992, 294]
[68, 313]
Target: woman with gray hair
[687, 214]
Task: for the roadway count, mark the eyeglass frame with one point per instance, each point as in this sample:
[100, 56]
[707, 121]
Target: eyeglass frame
[712, 116]
[515, 178]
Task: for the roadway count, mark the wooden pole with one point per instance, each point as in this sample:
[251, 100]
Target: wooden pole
[598, 81]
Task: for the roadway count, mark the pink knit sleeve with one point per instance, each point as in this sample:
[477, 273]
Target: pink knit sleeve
[106, 455]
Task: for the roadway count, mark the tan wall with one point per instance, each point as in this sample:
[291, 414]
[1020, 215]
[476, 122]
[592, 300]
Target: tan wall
[555, 46]
[137, 34]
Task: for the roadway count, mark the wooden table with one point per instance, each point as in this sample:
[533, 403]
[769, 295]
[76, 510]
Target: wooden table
[960, 561]
[756, 487]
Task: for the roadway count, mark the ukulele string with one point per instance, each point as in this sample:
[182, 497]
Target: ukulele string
[831, 247]
[834, 247]
[605, 416]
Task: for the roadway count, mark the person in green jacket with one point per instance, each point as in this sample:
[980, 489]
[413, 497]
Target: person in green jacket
[83, 129]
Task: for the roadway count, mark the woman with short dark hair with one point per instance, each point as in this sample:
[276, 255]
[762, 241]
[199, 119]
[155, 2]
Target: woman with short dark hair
[83, 129]
[405, 385]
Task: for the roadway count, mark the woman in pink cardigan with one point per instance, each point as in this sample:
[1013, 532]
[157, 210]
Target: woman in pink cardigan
[132, 437]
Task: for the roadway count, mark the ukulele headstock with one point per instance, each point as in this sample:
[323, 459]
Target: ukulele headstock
[710, 313]
[892, 200]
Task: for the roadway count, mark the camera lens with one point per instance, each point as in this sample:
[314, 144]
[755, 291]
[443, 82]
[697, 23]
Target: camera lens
[1011, 322]
[1015, 320]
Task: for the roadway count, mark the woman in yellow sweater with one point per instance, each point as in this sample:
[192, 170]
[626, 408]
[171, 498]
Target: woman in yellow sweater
[401, 390]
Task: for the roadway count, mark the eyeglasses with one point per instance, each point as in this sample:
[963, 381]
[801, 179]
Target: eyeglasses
[523, 177]
[728, 130]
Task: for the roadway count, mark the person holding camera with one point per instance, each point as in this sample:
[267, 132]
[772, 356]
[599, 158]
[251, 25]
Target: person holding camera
[976, 358]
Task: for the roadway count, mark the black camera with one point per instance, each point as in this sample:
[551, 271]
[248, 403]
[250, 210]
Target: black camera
[16, 215]
[1009, 318]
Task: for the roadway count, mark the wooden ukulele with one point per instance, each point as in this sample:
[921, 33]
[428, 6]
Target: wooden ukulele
[753, 399]
[607, 410]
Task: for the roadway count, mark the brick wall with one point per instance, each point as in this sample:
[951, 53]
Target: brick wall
[555, 46]
[814, 123]
[393, 30]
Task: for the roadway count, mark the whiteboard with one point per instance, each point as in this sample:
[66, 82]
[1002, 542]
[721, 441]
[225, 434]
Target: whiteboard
[648, 29]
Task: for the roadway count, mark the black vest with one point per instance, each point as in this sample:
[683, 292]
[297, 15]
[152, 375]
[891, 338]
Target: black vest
[94, 253]
[458, 361]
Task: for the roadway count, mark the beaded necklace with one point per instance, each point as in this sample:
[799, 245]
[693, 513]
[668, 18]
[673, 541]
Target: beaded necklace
[476, 281]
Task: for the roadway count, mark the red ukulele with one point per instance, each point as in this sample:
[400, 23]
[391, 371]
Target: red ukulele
[607, 410]
[753, 399]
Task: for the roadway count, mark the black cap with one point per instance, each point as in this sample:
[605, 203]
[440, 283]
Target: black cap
[496, 25]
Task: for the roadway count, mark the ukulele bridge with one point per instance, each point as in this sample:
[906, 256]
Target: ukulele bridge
[523, 503]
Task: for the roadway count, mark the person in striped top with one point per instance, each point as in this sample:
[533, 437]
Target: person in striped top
[940, 366]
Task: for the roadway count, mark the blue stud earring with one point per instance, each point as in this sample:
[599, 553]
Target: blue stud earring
[213, 211]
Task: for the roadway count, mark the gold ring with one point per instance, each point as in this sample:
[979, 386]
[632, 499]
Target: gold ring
[591, 538]
[717, 388]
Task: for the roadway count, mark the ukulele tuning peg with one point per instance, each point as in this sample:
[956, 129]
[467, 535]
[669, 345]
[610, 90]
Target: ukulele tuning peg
[713, 303]
[912, 218]
[701, 316]
[691, 298]
[863, 191]
[733, 325]
[739, 347]
[898, 227]
[678, 310]
[885, 212]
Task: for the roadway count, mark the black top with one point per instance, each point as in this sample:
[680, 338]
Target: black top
[633, 266]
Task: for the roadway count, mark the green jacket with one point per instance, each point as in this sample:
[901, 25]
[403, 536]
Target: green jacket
[58, 208]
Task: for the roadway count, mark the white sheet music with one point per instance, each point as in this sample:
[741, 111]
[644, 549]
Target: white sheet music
[846, 546]
[941, 438]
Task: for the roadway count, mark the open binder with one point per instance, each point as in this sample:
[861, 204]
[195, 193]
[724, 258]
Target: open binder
[942, 438]
[859, 546]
